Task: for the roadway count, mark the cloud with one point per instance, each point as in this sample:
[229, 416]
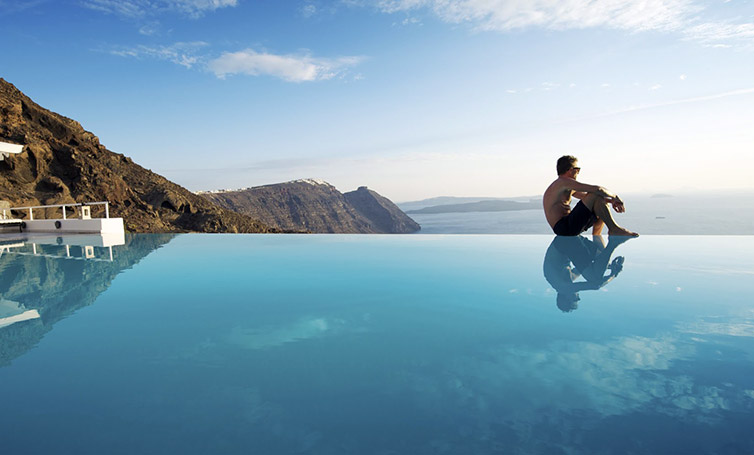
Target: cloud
[308, 10]
[411, 21]
[737, 328]
[184, 54]
[17, 6]
[721, 34]
[572, 386]
[547, 86]
[266, 337]
[505, 15]
[655, 87]
[292, 68]
[672, 16]
[135, 9]
[696, 99]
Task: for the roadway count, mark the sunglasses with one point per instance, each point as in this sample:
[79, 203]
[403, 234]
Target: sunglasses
[577, 169]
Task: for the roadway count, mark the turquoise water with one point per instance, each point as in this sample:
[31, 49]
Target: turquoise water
[331, 344]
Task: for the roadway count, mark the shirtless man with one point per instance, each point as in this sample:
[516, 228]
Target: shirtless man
[591, 211]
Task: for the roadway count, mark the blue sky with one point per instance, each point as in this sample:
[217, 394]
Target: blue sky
[413, 98]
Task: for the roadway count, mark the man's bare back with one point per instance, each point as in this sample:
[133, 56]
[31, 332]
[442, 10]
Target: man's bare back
[557, 200]
[592, 211]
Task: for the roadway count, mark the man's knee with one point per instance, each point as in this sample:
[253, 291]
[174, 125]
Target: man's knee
[593, 200]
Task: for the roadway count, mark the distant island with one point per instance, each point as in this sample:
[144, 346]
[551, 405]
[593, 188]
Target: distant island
[480, 206]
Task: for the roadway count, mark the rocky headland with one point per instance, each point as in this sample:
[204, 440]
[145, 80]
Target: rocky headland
[62, 163]
[316, 206]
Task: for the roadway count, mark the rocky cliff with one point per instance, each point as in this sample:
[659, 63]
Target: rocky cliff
[317, 206]
[384, 216]
[63, 163]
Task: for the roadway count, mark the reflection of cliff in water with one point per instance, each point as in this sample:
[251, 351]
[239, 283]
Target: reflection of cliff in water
[56, 286]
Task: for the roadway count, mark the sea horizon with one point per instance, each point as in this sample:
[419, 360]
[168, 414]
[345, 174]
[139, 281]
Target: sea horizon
[670, 214]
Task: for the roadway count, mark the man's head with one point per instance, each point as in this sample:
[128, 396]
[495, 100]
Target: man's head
[567, 301]
[567, 163]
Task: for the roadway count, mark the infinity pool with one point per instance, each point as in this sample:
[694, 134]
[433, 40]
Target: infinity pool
[285, 344]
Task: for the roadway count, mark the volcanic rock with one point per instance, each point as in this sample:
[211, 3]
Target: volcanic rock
[316, 206]
[63, 163]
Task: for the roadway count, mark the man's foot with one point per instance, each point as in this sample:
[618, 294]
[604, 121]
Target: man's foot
[616, 266]
[621, 231]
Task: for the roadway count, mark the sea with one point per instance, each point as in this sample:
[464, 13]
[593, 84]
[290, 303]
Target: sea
[714, 213]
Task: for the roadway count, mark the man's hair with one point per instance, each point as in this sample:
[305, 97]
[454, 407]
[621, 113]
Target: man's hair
[565, 163]
[567, 302]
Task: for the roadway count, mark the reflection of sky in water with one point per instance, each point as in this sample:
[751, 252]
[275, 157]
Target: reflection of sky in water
[391, 344]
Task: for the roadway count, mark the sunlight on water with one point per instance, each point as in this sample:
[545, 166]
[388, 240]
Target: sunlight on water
[378, 344]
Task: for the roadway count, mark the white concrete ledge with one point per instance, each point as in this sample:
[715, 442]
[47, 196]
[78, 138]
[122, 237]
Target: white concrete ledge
[77, 226]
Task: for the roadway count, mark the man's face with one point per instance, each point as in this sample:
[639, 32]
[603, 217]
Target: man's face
[575, 169]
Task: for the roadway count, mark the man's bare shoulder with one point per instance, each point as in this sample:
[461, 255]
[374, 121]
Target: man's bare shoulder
[560, 184]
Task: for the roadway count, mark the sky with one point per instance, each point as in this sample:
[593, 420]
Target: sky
[412, 98]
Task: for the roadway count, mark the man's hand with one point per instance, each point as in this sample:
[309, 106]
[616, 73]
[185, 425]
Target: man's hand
[618, 205]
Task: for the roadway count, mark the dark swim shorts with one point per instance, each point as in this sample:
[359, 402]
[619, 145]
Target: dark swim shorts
[579, 220]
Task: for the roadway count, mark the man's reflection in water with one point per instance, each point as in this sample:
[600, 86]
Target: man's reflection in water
[567, 258]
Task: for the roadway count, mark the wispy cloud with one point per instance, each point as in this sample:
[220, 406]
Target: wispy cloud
[721, 34]
[17, 6]
[580, 382]
[308, 10]
[696, 99]
[184, 54]
[685, 17]
[291, 67]
[504, 15]
[738, 328]
[547, 86]
[135, 9]
[411, 21]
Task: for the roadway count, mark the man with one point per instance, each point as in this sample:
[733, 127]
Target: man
[591, 211]
[567, 258]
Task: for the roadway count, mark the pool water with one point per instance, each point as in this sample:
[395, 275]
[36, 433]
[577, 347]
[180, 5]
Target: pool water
[338, 344]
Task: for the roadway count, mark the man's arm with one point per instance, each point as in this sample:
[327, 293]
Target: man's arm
[581, 190]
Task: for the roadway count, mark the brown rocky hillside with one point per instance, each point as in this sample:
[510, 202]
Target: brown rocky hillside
[63, 163]
[317, 206]
[383, 215]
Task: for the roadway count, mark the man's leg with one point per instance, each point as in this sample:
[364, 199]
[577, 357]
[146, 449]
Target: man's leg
[597, 227]
[599, 206]
[600, 263]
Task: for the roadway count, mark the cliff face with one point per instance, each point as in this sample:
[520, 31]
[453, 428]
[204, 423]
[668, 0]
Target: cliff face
[315, 206]
[381, 212]
[63, 163]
